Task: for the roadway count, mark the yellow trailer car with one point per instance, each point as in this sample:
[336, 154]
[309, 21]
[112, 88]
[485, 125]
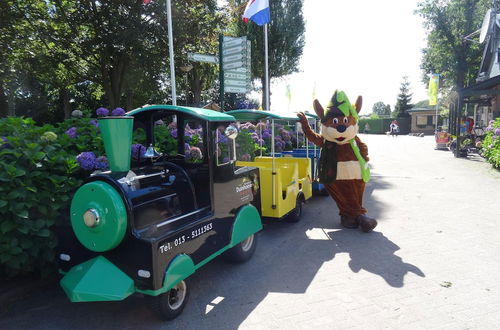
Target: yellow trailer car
[285, 182]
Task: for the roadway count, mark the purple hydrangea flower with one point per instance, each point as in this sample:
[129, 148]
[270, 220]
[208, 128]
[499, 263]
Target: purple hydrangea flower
[86, 160]
[138, 151]
[4, 143]
[118, 112]
[174, 133]
[172, 125]
[102, 112]
[266, 134]
[225, 160]
[101, 163]
[71, 132]
[497, 131]
[246, 157]
[94, 122]
[187, 146]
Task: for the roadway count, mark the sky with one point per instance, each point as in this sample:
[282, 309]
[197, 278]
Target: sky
[362, 47]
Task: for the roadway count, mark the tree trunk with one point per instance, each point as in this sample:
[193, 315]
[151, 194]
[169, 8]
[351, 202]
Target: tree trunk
[66, 104]
[196, 87]
[11, 100]
[4, 105]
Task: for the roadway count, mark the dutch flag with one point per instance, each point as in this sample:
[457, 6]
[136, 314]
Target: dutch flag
[257, 11]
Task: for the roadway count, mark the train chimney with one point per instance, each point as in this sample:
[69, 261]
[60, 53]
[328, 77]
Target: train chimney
[117, 135]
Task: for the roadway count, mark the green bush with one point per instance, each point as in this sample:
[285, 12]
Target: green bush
[491, 143]
[37, 177]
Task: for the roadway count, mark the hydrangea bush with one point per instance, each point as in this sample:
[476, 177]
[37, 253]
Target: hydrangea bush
[491, 143]
[37, 177]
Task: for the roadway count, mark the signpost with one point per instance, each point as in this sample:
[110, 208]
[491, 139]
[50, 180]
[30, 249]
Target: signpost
[203, 58]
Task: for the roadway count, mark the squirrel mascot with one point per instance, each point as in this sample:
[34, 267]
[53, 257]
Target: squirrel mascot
[342, 167]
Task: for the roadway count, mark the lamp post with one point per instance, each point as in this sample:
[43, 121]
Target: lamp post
[186, 68]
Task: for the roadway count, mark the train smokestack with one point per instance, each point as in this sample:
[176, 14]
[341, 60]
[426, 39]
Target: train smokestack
[117, 135]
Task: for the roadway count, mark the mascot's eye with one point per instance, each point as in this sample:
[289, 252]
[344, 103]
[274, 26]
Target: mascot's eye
[346, 120]
[335, 120]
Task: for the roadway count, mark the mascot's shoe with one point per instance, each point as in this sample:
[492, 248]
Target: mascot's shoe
[349, 222]
[366, 223]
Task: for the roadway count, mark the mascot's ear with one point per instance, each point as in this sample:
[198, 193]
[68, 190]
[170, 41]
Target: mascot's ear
[319, 109]
[359, 103]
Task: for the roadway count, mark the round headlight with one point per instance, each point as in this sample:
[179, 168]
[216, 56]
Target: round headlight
[91, 218]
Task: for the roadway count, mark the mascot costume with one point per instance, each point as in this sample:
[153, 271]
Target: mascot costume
[343, 167]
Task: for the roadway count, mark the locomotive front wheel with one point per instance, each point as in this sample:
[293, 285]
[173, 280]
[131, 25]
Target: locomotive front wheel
[243, 251]
[171, 303]
[296, 214]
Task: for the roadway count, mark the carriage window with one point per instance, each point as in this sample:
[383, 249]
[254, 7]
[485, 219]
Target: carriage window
[165, 134]
[193, 141]
[225, 146]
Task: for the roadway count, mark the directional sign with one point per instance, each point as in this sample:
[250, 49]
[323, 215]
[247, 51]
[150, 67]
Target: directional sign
[233, 42]
[235, 75]
[233, 65]
[233, 50]
[203, 58]
[236, 82]
[237, 70]
[231, 89]
[233, 58]
[235, 55]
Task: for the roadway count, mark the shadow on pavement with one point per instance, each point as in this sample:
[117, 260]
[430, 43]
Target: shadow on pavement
[374, 253]
[223, 295]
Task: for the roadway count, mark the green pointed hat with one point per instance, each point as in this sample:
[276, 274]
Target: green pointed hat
[340, 102]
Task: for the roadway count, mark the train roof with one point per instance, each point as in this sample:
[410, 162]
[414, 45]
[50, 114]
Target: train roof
[252, 115]
[204, 114]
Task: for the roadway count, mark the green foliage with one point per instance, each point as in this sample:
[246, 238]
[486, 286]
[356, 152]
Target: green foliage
[491, 144]
[382, 109]
[448, 53]
[404, 100]
[164, 140]
[37, 177]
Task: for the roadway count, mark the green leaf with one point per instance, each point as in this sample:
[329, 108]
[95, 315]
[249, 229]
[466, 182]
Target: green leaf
[44, 233]
[3, 203]
[23, 214]
[7, 226]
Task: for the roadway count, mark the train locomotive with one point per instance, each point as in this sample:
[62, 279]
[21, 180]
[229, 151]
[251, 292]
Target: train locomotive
[149, 223]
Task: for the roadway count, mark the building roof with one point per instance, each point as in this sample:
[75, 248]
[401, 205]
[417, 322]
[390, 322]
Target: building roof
[420, 110]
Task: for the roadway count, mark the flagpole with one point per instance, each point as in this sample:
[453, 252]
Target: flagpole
[171, 52]
[266, 68]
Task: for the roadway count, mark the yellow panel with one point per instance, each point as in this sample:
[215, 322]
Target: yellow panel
[292, 176]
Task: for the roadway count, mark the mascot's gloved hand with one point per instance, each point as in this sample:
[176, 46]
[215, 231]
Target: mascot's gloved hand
[303, 119]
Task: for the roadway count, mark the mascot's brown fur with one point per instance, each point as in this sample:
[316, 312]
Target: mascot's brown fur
[343, 170]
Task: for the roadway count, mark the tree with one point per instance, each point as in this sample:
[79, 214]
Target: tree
[403, 102]
[447, 52]
[285, 38]
[381, 109]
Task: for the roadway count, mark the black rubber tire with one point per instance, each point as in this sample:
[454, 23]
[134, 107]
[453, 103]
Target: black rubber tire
[243, 251]
[168, 305]
[296, 214]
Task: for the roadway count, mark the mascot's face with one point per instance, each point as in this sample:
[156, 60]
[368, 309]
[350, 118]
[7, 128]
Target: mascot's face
[339, 129]
[336, 126]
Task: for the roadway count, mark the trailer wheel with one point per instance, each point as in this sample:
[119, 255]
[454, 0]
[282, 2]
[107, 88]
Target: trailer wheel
[296, 213]
[243, 251]
[170, 304]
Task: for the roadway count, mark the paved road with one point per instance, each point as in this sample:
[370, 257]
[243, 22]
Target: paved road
[432, 263]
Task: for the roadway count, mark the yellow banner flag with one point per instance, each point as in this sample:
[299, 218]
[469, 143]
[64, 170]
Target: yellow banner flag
[433, 88]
